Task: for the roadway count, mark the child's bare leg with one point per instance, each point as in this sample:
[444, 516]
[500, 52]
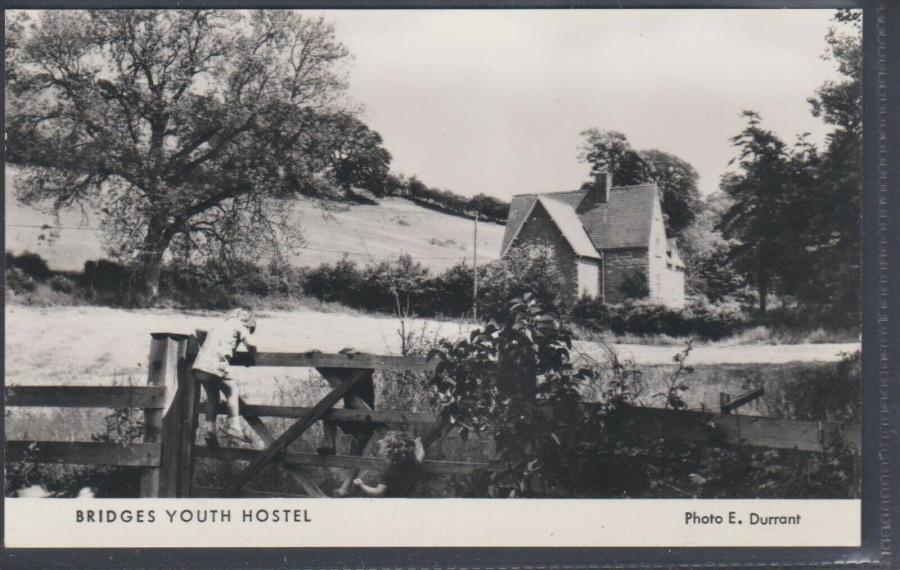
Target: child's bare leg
[232, 404]
[210, 385]
[357, 447]
[232, 398]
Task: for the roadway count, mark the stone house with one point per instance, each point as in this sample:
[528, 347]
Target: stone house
[608, 241]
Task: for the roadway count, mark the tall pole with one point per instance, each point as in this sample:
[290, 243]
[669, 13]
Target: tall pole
[475, 272]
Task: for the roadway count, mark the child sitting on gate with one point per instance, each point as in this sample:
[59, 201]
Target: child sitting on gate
[211, 369]
[405, 456]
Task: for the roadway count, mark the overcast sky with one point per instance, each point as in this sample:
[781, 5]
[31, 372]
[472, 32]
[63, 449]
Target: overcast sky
[494, 101]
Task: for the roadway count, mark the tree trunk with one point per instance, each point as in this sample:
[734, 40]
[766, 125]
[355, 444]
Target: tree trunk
[155, 245]
[763, 286]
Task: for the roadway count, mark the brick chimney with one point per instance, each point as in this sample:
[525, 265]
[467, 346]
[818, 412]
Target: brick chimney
[602, 184]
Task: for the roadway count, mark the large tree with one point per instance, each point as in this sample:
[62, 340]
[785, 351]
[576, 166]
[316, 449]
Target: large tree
[833, 237]
[676, 179]
[359, 159]
[188, 130]
[796, 211]
[758, 194]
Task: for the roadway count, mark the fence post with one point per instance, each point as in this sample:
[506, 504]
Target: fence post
[167, 367]
[187, 398]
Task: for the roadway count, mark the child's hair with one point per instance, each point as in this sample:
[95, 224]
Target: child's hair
[398, 447]
[245, 316]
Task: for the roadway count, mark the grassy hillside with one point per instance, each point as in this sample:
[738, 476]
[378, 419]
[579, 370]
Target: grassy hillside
[368, 233]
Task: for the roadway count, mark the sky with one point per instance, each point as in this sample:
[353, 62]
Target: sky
[495, 101]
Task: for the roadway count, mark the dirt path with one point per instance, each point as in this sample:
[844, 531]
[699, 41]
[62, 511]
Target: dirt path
[92, 345]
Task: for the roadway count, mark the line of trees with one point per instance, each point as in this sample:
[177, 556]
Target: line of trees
[486, 207]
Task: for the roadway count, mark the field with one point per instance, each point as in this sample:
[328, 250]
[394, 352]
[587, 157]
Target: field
[368, 233]
[104, 346]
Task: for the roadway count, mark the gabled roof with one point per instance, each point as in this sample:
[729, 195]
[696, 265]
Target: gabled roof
[567, 221]
[624, 221]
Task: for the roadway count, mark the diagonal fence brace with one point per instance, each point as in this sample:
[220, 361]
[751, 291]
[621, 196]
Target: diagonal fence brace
[295, 471]
[280, 445]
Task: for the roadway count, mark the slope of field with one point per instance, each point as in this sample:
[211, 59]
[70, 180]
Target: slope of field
[367, 233]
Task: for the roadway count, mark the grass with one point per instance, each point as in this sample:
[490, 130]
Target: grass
[368, 232]
[754, 336]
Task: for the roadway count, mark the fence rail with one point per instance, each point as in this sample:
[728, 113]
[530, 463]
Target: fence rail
[85, 453]
[87, 396]
[323, 360]
[338, 461]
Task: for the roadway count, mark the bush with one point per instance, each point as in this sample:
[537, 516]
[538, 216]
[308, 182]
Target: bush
[705, 321]
[530, 269]
[31, 264]
[400, 287]
[338, 283]
[18, 281]
[105, 276]
[715, 322]
[831, 392]
[452, 290]
[592, 313]
[63, 284]
[646, 317]
[635, 286]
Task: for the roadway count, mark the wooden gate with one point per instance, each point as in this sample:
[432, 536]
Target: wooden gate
[166, 455]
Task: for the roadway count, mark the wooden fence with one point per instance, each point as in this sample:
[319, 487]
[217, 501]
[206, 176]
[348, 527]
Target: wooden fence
[170, 401]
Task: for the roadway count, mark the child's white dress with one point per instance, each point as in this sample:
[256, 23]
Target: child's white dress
[215, 355]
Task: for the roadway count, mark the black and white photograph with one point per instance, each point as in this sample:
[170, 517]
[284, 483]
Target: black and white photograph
[258, 257]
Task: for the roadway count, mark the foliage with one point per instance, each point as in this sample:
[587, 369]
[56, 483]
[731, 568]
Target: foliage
[831, 392]
[341, 282]
[63, 284]
[29, 263]
[554, 440]
[359, 159]
[452, 290]
[538, 429]
[796, 216]
[610, 151]
[487, 207]
[757, 214]
[530, 269]
[698, 319]
[635, 286]
[18, 281]
[677, 182]
[189, 130]
[705, 254]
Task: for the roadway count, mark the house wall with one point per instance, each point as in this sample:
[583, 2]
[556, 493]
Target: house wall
[539, 228]
[618, 266]
[589, 277]
[673, 280]
[666, 284]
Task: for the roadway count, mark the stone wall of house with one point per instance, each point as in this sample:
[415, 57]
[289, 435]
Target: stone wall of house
[618, 266]
[539, 228]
